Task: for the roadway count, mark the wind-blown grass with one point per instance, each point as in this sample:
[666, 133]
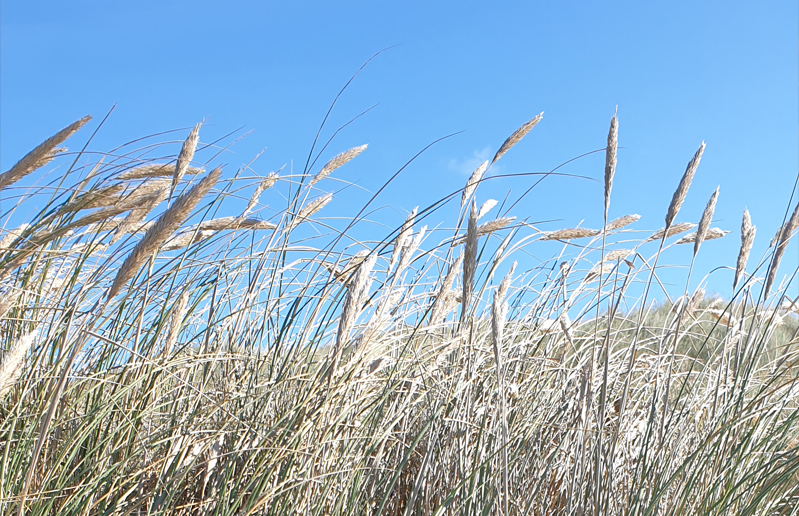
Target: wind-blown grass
[246, 365]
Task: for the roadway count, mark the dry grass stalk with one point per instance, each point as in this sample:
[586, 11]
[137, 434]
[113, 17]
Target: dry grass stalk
[176, 321]
[682, 190]
[516, 137]
[163, 228]
[225, 223]
[785, 237]
[777, 235]
[498, 314]
[186, 239]
[11, 237]
[569, 234]
[469, 261]
[337, 162]
[7, 302]
[403, 238]
[488, 227]
[696, 299]
[787, 305]
[185, 157]
[356, 292]
[378, 321]
[704, 222]
[41, 155]
[485, 208]
[710, 234]
[312, 207]
[345, 274]
[494, 225]
[676, 229]
[113, 196]
[265, 184]
[105, 216]
[409, 250]
[99, 198]
[612, 256]
[610, 159]
[155, 170]
[133, 222]
[442, 301]
[748, 232]
[146, 190]
[723, 317]
[562, 322]
[472, 183]
[622, 222]
[213, 459]
[14, 359]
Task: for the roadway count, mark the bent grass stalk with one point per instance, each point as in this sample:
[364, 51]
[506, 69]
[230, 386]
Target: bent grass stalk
[256, 372]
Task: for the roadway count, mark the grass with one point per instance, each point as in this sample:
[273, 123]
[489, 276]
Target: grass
[161, 359]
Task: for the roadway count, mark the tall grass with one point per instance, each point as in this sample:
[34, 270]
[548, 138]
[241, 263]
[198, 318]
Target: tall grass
[160, 359]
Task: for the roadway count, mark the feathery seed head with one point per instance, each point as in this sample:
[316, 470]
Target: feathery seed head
[268, 182]
[469, 261]
[163, 228]
[474, 180]
[403, 238]
[782, 245]
[176, 322]
[11, 366]
[516, 137]
[337, 162]
[485, 208]
[571, 233]
[185, 157]
[155, 170]
[685, 183]
[710, 234]
[41, 155]
[610, 159]
[704, 222]
[312, 207]
[676, 229]
[622, 222]
[747, 240]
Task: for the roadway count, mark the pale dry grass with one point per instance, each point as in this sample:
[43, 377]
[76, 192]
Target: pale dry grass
[274, 367]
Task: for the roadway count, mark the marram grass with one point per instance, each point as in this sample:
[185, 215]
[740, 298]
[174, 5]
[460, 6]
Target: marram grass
[158, 358]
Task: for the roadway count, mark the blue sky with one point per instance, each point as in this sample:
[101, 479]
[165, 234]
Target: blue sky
[679, 72]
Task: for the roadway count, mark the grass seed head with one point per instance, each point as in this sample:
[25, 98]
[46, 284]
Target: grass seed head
[782, 245]
[748, 232]
[610, 159]
[682, 190]
[163, 228]
[471, 184]
[704, 222]
[622, 222]
[337, 162]
[516, 137]
[676, 229]
[570, 234]
[13, 361]
[185, 157]
[469, 261]
[41, 155]
[710, 234]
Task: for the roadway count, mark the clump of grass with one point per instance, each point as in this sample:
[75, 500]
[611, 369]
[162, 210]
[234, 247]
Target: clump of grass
[161, 357]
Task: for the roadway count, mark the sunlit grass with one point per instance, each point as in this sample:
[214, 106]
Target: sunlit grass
[268, 365]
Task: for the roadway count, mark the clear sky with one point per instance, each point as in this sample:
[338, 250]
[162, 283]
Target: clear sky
[680, 72]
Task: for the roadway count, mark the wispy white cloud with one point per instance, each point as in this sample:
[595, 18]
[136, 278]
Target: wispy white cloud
[465, 167]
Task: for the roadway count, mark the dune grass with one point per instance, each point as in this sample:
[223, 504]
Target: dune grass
[158, 358]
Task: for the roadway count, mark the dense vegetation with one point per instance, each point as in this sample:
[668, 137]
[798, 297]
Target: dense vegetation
[160, 359]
